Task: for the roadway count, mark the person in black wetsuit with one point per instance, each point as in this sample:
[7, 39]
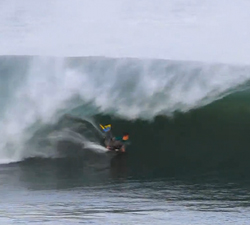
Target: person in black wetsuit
[116, 143]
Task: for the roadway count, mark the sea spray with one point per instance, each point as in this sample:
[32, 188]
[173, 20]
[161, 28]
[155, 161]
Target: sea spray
[131, 89]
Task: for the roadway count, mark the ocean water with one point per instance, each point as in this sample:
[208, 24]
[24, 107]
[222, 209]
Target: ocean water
[174, 74]
[54, 192]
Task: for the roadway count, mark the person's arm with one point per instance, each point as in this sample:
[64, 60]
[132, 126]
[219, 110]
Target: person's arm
[123, 148]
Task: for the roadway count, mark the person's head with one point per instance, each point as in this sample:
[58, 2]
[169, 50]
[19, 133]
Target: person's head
[125, 136]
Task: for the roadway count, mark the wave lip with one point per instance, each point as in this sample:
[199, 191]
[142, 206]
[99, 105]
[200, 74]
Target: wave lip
[39, 90]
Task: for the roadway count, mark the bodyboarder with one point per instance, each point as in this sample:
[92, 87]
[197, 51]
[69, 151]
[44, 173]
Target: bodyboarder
[117, 144]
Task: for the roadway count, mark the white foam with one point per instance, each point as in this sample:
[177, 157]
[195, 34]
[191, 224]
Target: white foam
[126, 87]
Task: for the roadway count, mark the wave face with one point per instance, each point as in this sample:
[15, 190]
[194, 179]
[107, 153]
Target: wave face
[38, 91]
[211, 139]
[206, 30]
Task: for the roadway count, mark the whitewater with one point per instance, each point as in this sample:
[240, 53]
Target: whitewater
[175, 74]
[132, 60]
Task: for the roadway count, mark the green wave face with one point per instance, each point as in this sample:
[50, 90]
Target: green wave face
[181, 115]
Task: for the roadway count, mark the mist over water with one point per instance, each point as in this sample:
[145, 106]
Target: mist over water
[175, 74]
[207, 30]
[39, 90]
[112, 75]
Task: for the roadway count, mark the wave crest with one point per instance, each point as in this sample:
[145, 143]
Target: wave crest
[39, 90]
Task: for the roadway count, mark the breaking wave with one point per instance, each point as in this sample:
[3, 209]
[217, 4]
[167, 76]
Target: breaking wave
[170, 106]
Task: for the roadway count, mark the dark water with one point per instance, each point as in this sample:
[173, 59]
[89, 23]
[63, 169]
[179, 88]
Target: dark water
[64, 191]
[213, 138]
[191, 168]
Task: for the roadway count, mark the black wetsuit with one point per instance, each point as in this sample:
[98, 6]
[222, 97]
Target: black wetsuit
[114, 143]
